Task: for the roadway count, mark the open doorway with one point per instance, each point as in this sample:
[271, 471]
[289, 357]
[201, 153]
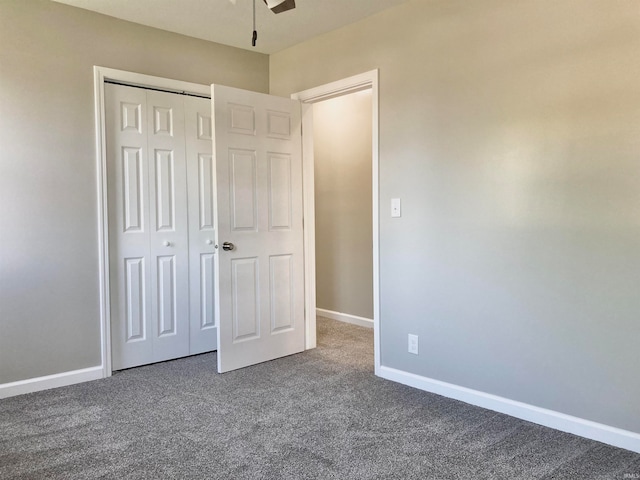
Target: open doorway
[343, 208]
[340, 123]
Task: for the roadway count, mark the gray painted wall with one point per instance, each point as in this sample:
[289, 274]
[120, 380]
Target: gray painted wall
[342, 156]
[510, 129]
[49, 318]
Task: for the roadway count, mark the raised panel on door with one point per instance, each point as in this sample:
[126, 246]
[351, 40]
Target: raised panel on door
[259, 200]
[281, 293]
[128, 207]
[205, 203]
[279, 125]
[132, 189]
[280, 193]
[165, 191]
[134, 300]
[201, 178]
[205, 314]
[168, 236]
[245, 299]
[243, 189]
[167, 296]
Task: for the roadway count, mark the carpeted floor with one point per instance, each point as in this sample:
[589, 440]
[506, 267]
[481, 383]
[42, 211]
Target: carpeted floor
[321, 414]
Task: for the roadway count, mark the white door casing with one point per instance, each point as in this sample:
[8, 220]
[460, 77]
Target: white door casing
[355, 83]
[150, 253]
[257, 146]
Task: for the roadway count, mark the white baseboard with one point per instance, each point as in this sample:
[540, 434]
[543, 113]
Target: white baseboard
[50, 381]
[345, 317]
[542, 416]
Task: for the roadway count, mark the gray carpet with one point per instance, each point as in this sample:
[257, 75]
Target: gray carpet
[321, 414]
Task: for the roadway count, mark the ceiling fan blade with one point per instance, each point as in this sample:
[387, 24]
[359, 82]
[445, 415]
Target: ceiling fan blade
[279, 6]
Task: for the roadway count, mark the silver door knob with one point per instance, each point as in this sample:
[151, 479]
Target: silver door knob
[228, 246]
[166, 243]
[209, 242]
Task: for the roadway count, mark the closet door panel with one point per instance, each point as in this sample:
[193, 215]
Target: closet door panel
[168, 236]
[128, 216]
[202, 221]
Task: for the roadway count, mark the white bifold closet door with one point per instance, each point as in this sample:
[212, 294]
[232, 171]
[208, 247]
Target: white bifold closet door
[161, 225]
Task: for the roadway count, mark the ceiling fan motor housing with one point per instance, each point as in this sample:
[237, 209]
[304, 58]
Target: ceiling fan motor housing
[279, 6]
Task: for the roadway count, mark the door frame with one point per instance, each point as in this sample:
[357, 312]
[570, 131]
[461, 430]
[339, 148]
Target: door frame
[100, 75]
[364, 81]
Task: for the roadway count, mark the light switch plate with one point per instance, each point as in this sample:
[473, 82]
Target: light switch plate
[413, 344]
[395, 208]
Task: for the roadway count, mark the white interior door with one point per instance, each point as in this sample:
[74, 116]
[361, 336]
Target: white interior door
[257, 146]
[161, 233]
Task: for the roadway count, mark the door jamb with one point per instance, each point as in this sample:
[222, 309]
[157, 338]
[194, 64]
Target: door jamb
[100, 75]
[363, 81]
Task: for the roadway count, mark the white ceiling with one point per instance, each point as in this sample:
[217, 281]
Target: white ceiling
[223, 22]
